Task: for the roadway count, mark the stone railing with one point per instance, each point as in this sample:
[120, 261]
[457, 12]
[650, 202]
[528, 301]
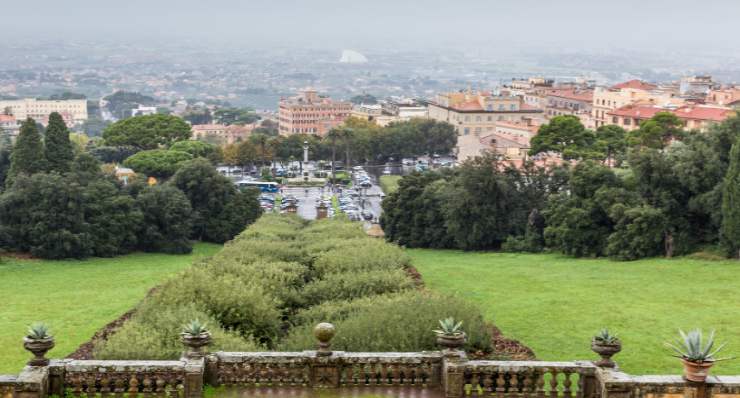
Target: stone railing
[523, 379]
[445, 373]
[615, 384]
[340, 369]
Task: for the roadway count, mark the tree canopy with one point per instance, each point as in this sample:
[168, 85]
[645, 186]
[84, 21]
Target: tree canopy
[147, 132]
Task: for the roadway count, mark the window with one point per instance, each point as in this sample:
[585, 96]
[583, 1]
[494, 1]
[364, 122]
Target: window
[490, 118]
[512, 107]
[478, 119]
[627, 121]
[615, 119]
[478, 130]
[466, 131]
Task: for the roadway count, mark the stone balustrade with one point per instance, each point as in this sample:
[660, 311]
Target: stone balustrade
[340, 369]
[447, 372]
[520, 379]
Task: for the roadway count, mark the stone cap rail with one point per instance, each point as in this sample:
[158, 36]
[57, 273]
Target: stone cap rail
[618, 383]
[7, 385]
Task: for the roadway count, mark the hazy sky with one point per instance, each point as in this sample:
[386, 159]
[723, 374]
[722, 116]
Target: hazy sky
[367, 24]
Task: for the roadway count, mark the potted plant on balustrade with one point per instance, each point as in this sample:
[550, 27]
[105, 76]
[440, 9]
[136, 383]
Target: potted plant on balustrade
[450, 334]
[195, 335]
[38, 341]
[606, 345]
[697, 356]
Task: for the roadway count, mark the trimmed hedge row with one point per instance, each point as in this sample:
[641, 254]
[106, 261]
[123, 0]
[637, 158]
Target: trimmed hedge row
[269, 286]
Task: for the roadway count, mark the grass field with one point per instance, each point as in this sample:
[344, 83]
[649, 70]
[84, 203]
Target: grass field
[554, 304]
[76, 298]
[389, 184]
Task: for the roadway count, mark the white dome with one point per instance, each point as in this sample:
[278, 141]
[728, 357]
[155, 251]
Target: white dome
[352, 57]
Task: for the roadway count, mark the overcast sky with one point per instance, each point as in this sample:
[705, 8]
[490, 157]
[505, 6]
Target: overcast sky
[367, 24]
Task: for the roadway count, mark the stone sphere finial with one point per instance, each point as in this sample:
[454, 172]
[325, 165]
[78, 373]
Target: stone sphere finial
[324, 332]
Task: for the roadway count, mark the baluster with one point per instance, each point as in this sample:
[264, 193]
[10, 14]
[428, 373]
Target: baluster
[487, 382]
[554, 383]
[77, 385]
[500, 384]
[514, 383]
[526, 384]
[133, 386]
[147, 385]
[90, 381]
[119, 385]
[581, 386]
[567, 393]
[426, 373]
[104, 385]
[160, 382]
[396, 374]
[540, 383]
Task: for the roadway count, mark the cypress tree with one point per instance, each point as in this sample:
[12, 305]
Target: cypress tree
[28, 152]
[59, 153]
[730, 232]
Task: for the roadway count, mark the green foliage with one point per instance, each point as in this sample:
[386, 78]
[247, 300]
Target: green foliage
[658, 131]
[606, 337]
[167, 221]
[567, 136]
[407, 321]
[112, 154]
[638, 233]
[220, 211]
[691, 346]
[121, 103]
[229, 116]
[449, 327]
[59, 152]
[198, 149]
[28, 152]
[158, 163]
[730, 230]
[290, 273]
[38, 331]
[147, 132]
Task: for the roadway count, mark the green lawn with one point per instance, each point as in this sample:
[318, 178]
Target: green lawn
[76, 298]
[554, 304]
[389, 184]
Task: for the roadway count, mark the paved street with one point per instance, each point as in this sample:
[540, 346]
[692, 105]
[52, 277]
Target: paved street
[307, 197]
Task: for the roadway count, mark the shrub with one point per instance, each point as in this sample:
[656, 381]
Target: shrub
[376, 255]
[351, 285]
[401, 322]
[166, 228]
[156, 335]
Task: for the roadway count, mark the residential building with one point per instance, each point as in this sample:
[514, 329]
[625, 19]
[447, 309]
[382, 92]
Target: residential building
[9, 125]
[310, 113]
[570, 101]
[723, 96]
[221, 134]
[391, 110]
[696, 86]
[477, 112]
[607, 99]
[73, 111]
[694, 117]
[144, 110]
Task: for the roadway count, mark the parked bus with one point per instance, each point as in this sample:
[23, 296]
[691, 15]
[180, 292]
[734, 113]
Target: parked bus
[264, 186]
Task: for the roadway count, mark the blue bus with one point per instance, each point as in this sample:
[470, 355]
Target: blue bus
[263, 186]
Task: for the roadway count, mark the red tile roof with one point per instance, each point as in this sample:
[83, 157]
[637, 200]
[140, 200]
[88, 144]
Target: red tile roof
[636, 84]
[473, 105]
[714, 114]
[572, 94]
[7, 118]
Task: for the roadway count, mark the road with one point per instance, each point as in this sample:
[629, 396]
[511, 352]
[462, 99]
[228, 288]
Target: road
[369, 199]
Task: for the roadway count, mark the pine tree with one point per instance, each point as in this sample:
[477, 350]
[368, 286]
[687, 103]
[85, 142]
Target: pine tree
[28, 152]
[59, 153]
[730, 231]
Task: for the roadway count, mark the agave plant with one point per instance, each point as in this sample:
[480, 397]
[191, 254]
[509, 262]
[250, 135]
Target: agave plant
[606, 337]
[38, 331]
[448, 327]
[194, 328]
[692, 347]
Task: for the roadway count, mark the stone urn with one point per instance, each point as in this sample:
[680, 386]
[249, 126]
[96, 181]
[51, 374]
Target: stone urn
[451, 342]
[39, 348]
[196, 343]
[605, 351]
[324, 332]
[696, 371]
